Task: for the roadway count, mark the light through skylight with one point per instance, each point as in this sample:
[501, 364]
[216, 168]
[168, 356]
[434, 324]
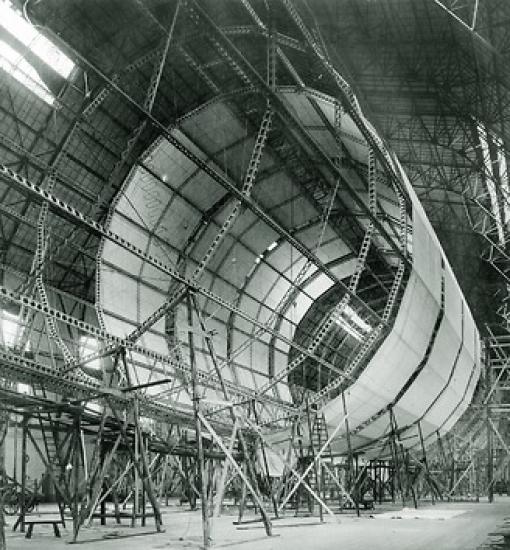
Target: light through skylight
[353, 324]
[13, 62]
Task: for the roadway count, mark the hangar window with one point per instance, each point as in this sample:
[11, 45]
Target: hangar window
[13, 61]
[496, 179]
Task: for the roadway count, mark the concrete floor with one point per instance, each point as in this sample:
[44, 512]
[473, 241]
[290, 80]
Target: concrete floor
[446, 526]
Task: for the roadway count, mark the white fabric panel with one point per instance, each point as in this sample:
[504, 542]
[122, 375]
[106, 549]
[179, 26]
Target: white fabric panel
[465, 401]
[153, 341]
[450, 398]
[144, 199]
[325, 140]
[213, 127]
[259, 356]
[277, 189]
[223, 289]
[245, 377]
[318, 285]
[453, 301]
[296, 213]
[431, 381]
[302, 108]
[286, 329]
[258, 237]
[115, 288]
[261, 281]
[283, 392]
[394, 361]
[117, 326]
[201, 190]
[470, 333]
[259, 379]
[249, 305]
[150, 300]
[118, 256]
[238, 339]
[166, 160]
[302, 304]
[330, 251]
[277, 292]
[156, 278]
[177, 227]
[344, 269]
[280, 361]
[426, 255]
[405, 347]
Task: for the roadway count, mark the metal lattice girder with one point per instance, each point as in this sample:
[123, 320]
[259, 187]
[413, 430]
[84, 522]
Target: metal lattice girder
[329, 322]
[237, 193]
[283, 110]
[249, 180]
[21, 369]
[68, 211]
[117, 342]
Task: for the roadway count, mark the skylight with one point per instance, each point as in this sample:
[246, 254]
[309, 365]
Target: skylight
[14, 63]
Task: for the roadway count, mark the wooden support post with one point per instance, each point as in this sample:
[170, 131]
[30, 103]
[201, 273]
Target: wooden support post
[96, 488]
[396, 461]
[76, 471]
[238, 469]
[266, 466]
[349, 450]
[316, 464]
[301, 482]
[224, 472]
[242, 500]
[145, 472]
[142, 468]
[143, 441]
[198, 427]
[4, 426]
[242, 441]
[426, 464]
[24, 458]
[490, 436]
[310, 466]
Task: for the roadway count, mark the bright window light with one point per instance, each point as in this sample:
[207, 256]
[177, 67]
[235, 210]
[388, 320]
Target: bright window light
[356, 319]
[349, 329]
[89, 346]
[14, 63]
[353, 324]
[489, 181]
[10, 327]
[24, 388]
[94, 407]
